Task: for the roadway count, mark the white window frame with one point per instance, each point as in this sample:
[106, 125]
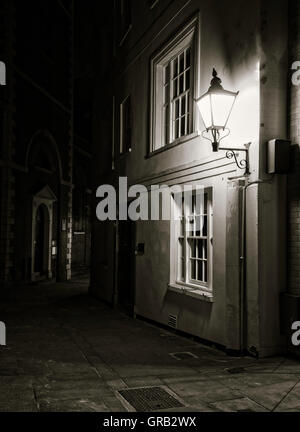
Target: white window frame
[175, 235]
[187, 37]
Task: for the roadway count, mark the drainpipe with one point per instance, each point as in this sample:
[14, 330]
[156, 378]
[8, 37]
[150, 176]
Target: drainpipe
[243, 262]
[243, 267]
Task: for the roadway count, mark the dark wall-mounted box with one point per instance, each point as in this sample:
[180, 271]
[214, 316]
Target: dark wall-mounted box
[278, 156]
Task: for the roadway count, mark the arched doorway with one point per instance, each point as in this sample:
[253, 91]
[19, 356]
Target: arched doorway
[42, 227]
[41, 241]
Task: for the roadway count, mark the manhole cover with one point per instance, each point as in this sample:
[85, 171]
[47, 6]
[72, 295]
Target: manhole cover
[150, 398]
[236, 370]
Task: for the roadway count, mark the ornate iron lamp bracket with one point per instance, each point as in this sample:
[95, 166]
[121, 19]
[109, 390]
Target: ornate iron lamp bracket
[234, 152]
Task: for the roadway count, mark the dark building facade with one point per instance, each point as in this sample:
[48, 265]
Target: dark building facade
[87, 100]
[248, 296]
[40, 155]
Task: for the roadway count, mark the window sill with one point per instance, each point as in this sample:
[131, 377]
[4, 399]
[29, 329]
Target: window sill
[175, 143]
[197, 293]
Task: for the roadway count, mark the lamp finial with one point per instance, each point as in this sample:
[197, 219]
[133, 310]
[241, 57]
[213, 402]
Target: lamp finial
[215, 83]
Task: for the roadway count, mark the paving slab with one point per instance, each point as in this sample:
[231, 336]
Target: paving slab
[238, 405]
[291, 400]
[69, 352]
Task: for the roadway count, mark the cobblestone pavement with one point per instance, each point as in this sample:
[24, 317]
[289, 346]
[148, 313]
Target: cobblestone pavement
[67, 351]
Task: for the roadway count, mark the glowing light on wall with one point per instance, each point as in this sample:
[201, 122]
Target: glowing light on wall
[215, 108]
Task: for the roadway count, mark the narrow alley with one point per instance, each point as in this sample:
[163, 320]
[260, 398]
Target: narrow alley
[67, 351]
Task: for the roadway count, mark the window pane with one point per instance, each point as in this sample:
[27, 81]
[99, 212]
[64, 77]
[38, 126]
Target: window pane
[189, 204]
[198, 206]
[188, 58]
[199, 249]
[204, 271]
[191, 226]
[193, 269]
[204, 248]
[187, 79]
[182, 126]
[200, 270]
[177, 109]
[176, 129]
[198, 225]
[183, 107]
[193, 203]
[181, 62]
[197, 254]
[193, 250]
[204, 229]
[181, 84]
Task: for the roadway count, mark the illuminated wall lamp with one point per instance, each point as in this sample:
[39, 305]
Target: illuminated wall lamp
[215, 107]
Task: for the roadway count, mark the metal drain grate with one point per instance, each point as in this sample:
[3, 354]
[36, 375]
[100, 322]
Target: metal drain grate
[150, 398]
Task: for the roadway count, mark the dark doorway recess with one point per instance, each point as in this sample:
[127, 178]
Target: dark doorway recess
[41, 245]
[126, 266]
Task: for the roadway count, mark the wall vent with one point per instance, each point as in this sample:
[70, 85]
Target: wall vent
[172, 321]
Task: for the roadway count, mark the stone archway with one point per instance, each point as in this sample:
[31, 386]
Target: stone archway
[43, 146]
